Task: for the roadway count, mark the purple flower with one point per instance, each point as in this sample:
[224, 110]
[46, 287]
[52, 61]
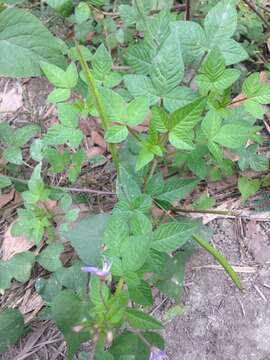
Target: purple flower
[157, 354]
[102, 273]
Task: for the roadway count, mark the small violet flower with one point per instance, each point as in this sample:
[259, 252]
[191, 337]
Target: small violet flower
[102, 273]
[157, 354]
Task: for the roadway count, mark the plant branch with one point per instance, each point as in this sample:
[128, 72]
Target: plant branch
[197, 68]
[92, 87]
[188, 10]
[237, 101]
[253, 8]
[71, 189]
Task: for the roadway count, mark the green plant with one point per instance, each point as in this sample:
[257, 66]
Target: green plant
[191, 121]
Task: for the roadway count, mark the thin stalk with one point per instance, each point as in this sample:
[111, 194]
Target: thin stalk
[92, 87]
[188, 10]
[155, 162]
[62, 188]
[119, 287]
[220, 259]
[205, 211]
[197, 68]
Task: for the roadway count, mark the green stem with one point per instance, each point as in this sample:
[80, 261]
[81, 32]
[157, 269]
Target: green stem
[155, 162]
[119, 287]
[92, 87]
[197, 68]
[220, 259]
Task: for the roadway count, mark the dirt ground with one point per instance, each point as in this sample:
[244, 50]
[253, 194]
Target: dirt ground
[219, 322]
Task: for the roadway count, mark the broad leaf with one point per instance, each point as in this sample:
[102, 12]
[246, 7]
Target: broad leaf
[24, 42]
[20, 266]
[141, 294]
[68, 311]
[11, 328]
[171, 236]
[86, 238]
[140, 320]
[49, 257]
[248, 187]
[116, 134]
[233, 135]
[176, 189]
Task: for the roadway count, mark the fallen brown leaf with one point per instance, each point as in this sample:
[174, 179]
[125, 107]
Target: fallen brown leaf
[11, 100]
[97, 139]
[13, 245]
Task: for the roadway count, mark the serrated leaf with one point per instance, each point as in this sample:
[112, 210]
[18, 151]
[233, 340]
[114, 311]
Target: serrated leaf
[128, 14]
[167, 67]
[141, 294]
[59, 134]
[211, 124]
[137, 111]
[101, 62]
[248, 187]
[144, 158]
[177, 189]
[221, 22]
[171, 236]
[126, 185]
[22, 56]
[86, 238]
[116, 134]
[59, 95]
[5, 276]
[63, 7]
[140, 320]
[24, 134]
[139, 57]
[82, 12]
[49, 257]
[11, 328]
[233, 135]
[141, 85]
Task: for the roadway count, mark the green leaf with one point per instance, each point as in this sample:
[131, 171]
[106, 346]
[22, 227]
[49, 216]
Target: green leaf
[220, 259]
[24, 42]
[116, 134]
[67, 311]
[126, 186]
[171, 236]
[232, 51]
[114, 104]
[129, 346]
[86, 238]
[11, 328]
[137, 111]
[59, 95]
[5, 276]
[177, 189]
[49, 257]
[211, 124]
[168, 67]
[192, 38]
[82, 12]
[233, 135]
[59, 134]
[4, 181]
[128, 14]
[54, 74]
[63, 7]
[101, 62]
[221, 22]
[172, 281]
[144, 158]
[250, 159]
[139, 57]
[140, 320]
[184, 119]
[141, 85]
[68, 115]
[141, 294]
[24, 134]
[248, 187]
[20, 266]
